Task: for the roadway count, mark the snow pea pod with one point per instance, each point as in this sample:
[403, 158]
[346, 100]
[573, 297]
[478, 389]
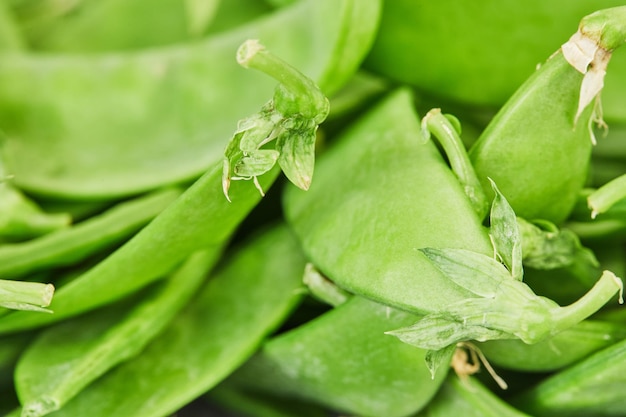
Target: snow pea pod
[114, 124]
[65, 358]
[592, 387]
[356, 370]
[245, 300]
[468, 398]
[544, 129]
[254, 405]
[379, 194]
[481, 52]
[64, 247]
[111, 24]
[187, 225]
[190, 224]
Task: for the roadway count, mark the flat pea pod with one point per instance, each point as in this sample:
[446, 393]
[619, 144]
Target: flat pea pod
[379, 194]
[557, 352]
[538, 147]
[186, 225]
[254, 405]
[481, 52]
[244, 301]
[467, 397]
[76, 123]
[592, 387]
[72, 244]
[540, 115]
[64, 359]
[344, 361]
[10, 349]
[109, 25]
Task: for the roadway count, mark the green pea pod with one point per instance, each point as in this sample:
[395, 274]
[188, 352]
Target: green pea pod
[189, 223]
[480, 52]
[551, 111]
[559, 351]
[10, 349]
[108, 25]
[379, 194]
[70, 245]
[467, 397]
[254, 405]
[343, 360]
[76, 123]
[592, 387]
[240, 305]
[64, 359]
[228, 14]
[21, 218]
[10, 36]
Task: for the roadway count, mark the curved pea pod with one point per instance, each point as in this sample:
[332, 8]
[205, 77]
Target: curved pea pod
[592, 387]
[467, 397]
[64, 359]
[21, 218]
[557, 352]
[343, 360]
[243, 302]
[187, 225]
[379, 194]
[72, 244]
[551, 112]
[111, 24]
[481, 52]
[103, 125]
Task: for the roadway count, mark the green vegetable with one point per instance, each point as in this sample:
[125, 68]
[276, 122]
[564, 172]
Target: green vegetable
[167, 236]
[343, 360]
[380, 282]
[75, 353]
[240, 305]
[501, 306]
[382, 183]
[73, 244]
[467, 397]
[591, 387]
[109, 125]
[480, 52]
[559, 351]
[30, 296]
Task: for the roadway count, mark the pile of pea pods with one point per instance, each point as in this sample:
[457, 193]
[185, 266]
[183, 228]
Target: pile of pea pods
[281, 208]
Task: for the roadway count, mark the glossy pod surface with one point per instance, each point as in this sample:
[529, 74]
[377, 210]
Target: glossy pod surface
[357, 369]
[379, 194]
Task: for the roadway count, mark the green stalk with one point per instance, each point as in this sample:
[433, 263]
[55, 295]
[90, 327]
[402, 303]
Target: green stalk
[20, 295]
[309, 100]
[604, 289]
[606, 196]
[440, 125]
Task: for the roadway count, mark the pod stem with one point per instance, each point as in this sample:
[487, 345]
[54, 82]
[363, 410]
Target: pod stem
[21, 295]
[312, 102]
[606, 196]
[447, 134]
[604, 289]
